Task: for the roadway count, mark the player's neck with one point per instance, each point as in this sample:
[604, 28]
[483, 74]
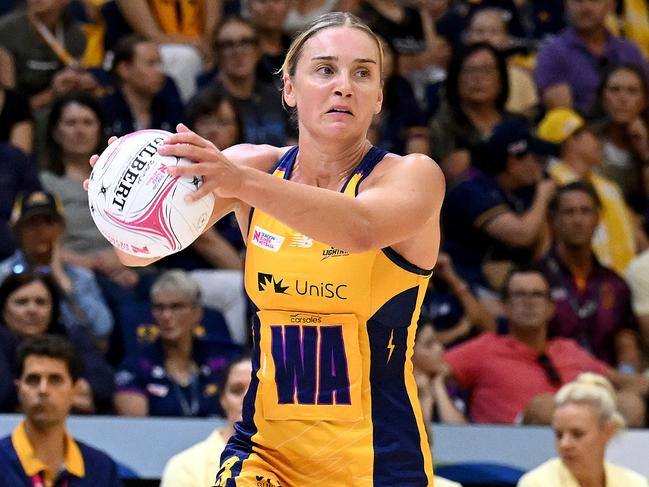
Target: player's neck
[48, 444]
[327, 166]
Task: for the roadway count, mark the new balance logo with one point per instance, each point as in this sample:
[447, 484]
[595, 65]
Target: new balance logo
[301, 241]
[264, 280]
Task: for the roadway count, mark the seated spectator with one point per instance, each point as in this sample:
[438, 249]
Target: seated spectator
[303, 12]
[38, 225]
[488, 219]
[621, 121]
[260, 104]
[400, 126]
[592, 301]
[142, 97]
[29, 306]
[569, 67]
[176, 375]
[502, 374]
[40, 451]
[268, 16]
[16, 124]
[199, 464]
[450, 304]
[476, 90]
[637, 277]
[74, 132]
[44, 47]
[580, 156]
[184, 30]
[585, 420]
[19, 176]
[489, 25]
[430, 373]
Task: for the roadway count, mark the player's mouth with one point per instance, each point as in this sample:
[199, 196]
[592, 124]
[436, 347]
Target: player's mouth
[340, 109]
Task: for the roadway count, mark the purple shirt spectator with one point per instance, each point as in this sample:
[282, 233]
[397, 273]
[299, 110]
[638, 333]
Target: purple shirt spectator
[566, 59]
[593, 315]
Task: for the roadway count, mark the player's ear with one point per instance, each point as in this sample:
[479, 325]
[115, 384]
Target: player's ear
[289, 91]
[379, 100]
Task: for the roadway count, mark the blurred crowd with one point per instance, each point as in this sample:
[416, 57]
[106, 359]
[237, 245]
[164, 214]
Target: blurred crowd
[536, 110]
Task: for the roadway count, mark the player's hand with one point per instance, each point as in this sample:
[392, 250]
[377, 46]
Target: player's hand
[94, 158]
[220, 175]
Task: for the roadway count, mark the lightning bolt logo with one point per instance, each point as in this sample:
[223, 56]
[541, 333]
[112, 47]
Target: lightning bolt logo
[390, 346]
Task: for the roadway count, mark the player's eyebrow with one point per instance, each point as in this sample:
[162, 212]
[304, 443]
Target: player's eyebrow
[335, 58]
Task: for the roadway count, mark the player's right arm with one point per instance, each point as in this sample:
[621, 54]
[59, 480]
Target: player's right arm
[262, 157]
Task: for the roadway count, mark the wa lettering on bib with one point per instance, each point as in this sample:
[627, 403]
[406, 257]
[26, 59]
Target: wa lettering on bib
[310, 366]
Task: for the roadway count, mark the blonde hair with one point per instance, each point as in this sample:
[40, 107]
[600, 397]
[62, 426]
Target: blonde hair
[596, 391]
[326, 21]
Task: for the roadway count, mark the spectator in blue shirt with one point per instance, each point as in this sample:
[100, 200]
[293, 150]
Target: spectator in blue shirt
[38, 225]
[177, 374]
[143, 97]
[496, 212]
[40, 452]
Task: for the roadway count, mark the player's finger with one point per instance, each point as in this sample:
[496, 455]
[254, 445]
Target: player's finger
[197, 169]
[85, 184]
[93, 160]
[191, 152]
[185, 137]
[204, 190]
[112, 139]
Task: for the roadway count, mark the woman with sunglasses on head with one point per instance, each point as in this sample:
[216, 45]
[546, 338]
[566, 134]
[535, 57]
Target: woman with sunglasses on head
[342, 239]
[585, 420]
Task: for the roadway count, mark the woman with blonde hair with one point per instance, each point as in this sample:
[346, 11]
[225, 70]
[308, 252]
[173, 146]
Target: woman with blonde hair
[584, 421]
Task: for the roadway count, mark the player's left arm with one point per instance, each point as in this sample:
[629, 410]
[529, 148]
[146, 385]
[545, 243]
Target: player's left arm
[398, 200]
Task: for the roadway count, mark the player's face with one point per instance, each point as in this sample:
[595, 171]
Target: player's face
[576, 218]
[580, 437]
[45, 390]
[235, 389]
[337, 84]
[175, 315]
[624, 99]
[28, 310]
[77, 131]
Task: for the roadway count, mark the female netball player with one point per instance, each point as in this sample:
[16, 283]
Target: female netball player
[341, 239]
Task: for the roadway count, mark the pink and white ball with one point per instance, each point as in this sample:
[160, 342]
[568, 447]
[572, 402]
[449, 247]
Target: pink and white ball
[137, 205]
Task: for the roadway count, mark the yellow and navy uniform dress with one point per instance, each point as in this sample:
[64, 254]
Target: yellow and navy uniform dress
[333, 400]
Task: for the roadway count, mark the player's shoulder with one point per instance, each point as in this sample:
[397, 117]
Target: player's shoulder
[415, 165]
[259, 156]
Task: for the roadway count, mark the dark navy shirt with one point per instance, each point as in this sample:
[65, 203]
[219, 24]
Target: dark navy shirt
[18, 174]
[145, 373]
[167, 111]
[474, 201]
